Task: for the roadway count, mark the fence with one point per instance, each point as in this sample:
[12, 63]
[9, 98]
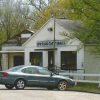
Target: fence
[78, 75]
[82, 77]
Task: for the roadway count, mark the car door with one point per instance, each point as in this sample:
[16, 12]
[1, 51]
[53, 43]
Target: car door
[45, 78]
[31, 75]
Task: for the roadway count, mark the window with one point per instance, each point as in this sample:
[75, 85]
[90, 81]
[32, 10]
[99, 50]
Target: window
[44, 71]
[14, 69]
[36, 58]
[68, 60]
[18, 60]
[30, 70]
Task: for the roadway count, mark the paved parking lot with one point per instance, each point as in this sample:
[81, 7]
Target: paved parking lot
[43, 94]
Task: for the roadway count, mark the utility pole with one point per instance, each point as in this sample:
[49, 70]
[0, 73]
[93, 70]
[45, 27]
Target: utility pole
[54, 39]
[54, 32]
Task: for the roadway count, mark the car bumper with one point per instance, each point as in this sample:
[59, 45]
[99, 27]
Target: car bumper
[71, 83]
[3, 80]
[6, 80]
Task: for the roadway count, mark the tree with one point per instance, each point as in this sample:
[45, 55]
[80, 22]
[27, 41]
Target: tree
[12, 19]
[88, 12]
[6, 19]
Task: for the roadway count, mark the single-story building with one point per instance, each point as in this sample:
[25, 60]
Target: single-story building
[49, 47]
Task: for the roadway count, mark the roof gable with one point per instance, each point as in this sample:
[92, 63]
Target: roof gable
[16, 39]
[43, 34]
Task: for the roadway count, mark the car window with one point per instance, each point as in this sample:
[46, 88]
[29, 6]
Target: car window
[30, 70]
[44, 71]
[14, 69]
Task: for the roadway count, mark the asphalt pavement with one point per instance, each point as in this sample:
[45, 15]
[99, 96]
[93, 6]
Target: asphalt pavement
[44, 94]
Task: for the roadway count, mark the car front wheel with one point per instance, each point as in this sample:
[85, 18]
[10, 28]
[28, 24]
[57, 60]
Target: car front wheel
[8, 86]
[62, 85]
[20, 84]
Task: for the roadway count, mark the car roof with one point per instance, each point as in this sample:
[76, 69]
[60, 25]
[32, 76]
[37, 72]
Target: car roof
[20, 67]
[26, 66]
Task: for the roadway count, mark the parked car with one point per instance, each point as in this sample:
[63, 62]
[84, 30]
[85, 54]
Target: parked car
[33, 76]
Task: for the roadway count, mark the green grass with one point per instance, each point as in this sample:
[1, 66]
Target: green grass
[86, 87]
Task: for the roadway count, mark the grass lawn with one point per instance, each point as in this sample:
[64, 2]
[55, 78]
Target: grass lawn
[86, 87]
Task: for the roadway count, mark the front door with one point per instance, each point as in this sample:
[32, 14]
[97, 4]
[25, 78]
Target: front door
[50, 60]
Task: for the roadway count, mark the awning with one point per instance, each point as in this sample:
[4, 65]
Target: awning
[47, 49]
[12, 51]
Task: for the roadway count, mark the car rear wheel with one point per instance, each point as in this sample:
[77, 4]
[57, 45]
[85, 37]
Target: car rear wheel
[62, 85]
[20, 84]
[8, 86]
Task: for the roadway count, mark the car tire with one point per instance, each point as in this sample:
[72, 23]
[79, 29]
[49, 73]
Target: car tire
[20, 84]
[62, 85]
[8, 86]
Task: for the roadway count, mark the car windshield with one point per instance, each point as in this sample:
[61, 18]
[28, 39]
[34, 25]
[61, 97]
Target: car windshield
[14, 69]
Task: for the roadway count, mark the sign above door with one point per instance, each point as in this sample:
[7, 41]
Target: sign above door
[50, 43]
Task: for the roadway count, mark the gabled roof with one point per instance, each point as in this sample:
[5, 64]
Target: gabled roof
[24, 31]
[69, 25]
[14, 40]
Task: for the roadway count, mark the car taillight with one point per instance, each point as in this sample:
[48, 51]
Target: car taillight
[5, 74]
